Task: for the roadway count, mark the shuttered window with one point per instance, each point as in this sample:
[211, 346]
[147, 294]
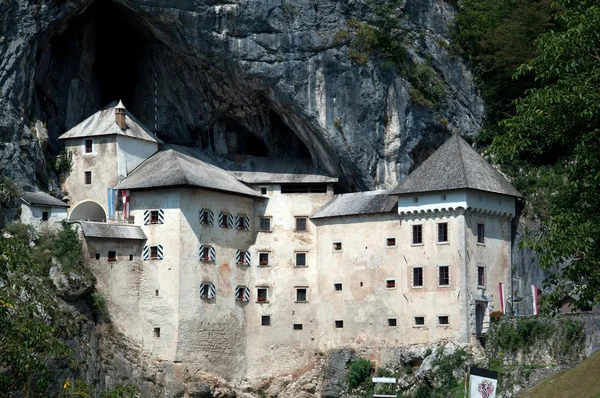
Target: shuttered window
[208, 290]
[242, 293]
[154, 216]
[207, 217]
[207, 253]
[242, 223]
[242, 257]
[153, 252]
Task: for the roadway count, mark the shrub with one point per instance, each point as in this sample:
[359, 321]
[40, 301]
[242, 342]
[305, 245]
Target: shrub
[67, 248]
[10, 192]
[359, 372]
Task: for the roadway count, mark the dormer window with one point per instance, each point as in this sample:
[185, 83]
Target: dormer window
[89, 146]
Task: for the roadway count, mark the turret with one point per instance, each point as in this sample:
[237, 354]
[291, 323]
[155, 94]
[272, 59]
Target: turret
[120, 116]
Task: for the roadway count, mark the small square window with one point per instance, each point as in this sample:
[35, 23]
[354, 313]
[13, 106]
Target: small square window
[417, 234]
[45, 216]
[390, 242]
[301, 296]
[265, 224]
[420, 320]
[301, 224]
[442, 232]
[97, 256]
[297, 326]
[88, 177]
[153, 216]
[443, 197]
[156, 332]
[262, 294]
[417, 276]
[481, 276]
[89, 146]
[337, 246]
[300, 259]
[443, 275]
[263, 190]
[390, 283]
[154, 252]
[337, 287]
[112, 255]
[131, 257]
[263, 258]
[443, 320]
[242, 258]
[480, 233]
[415, 199]
[339, 324]
[265, 320]
[392, 322]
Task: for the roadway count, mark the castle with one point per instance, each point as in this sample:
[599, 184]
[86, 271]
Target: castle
[247, 267]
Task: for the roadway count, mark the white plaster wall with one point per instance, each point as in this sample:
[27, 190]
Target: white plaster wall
[364, 265]
[32, 215]
[131, 152]
[457, 199]
[102, 162]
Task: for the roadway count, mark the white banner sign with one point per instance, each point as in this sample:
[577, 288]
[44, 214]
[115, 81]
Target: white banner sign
[483, 383]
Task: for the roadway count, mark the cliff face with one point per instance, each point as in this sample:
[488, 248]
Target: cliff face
[249, 77]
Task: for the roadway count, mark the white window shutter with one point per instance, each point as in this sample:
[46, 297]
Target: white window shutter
[160, 252]
[247, 258]
[146, 217]
[201, 216]
[221, 218]
[212, 254]
[202, 289]
[246, 222]
[212, 291]
[230, 220]
[211, 217]
[237, 221]
[238, 257]
[246, 294]
[237, 293]
[146, 253]
[203, 254]
[161, 216]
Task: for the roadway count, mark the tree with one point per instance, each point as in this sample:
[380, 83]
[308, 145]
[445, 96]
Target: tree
[556, 130]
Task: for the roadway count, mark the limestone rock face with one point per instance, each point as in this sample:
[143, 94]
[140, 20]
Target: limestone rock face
[258, 77]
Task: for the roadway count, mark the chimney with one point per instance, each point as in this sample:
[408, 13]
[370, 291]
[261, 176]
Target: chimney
[120, 116]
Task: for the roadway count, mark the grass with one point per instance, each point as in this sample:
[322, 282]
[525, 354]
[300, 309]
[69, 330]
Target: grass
[581, 381]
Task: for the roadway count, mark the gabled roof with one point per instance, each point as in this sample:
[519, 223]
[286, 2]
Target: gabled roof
[455, 165]
[42, 199]
[111, 231]
[103, 123]
[180, 166]
[369, 202]
[258, 170]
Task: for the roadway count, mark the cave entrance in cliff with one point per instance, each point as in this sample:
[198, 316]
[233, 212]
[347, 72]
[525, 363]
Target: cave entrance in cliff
[89, 211]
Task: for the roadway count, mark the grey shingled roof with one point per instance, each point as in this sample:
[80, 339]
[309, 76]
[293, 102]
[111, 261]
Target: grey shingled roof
[455, 165]
[111, 231]
[256, 170]
[181, 166]
[358, 203]
[103, 123]
[42, 199]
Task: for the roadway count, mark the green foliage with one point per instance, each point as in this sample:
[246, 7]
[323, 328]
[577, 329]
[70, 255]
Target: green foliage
[556, 128]
[24, 232]
[359, 372]
[67, 248]
[63, 163]
[497, 36]
[79, 388]
[10, 192]
[288, 10]
[341, 36]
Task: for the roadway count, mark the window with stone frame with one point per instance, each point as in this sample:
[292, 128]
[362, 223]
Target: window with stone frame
[480, 233]
[88, 177]
[443, 320]
[263, 258]
[417, 234]
[301, 259]
[442, 232]
[301, 295]
[444, 275]
[262, 294]
[481, 276]
[265, 224]
[301, 224]
[417, 277]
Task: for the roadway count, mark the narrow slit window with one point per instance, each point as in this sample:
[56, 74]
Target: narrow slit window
[297, 326]
[89, 146]
[480, 276]
[131, 257]
[417, 234]
[157, 332]
[263, 190]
